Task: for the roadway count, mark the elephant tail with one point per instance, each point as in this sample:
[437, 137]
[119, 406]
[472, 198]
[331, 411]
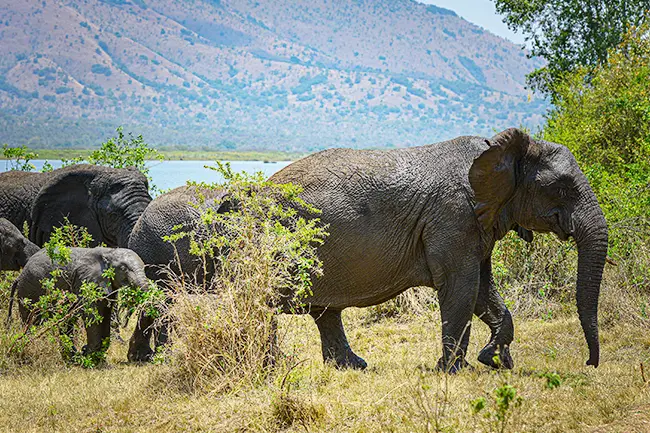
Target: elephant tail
[14, 285]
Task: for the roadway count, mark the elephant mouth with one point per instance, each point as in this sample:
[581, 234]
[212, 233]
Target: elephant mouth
[553, 222]
[558, 227]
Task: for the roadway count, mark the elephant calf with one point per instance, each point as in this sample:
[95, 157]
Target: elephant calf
[86, 265]
[15, 249]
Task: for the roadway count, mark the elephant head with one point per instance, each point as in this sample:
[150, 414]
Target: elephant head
[128, 267]
[15, 249]
[107, 201]
[538, 186]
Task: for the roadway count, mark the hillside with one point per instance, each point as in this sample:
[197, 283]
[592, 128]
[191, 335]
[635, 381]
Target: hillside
[224, 74]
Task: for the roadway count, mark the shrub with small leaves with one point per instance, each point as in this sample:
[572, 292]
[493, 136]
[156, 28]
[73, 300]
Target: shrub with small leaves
[125, 150]
[500, 408]
[264, 254]
[19, 157]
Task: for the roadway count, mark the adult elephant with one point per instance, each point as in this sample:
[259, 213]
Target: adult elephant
[164, 216]
[107, 201]
[430, 216]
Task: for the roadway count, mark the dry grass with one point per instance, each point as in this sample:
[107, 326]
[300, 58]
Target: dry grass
[317, 397]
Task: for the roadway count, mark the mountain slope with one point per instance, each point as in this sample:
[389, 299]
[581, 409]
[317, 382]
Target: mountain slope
[287, 75]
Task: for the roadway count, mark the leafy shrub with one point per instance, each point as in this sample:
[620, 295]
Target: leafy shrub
[121, 152]
[19, 157]
[504, 402]
[223, 326]
[605, 122]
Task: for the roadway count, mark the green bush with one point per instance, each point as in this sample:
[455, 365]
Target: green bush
[606, 124]
[121, 152]
[223, 327]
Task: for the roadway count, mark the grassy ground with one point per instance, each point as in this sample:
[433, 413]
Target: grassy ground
[399, 392]
[176, 155]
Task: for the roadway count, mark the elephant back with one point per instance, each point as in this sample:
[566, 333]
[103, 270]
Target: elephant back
[18, 191]
[169, 210]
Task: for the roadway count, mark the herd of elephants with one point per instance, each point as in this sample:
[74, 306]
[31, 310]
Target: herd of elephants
[399, 218]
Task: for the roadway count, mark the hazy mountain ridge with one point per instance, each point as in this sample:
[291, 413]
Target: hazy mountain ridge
[288, 75]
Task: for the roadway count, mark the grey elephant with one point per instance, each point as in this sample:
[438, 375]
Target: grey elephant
[107, 201]
[172, 209]
[86, 265]
[15, 249]
[430, 216]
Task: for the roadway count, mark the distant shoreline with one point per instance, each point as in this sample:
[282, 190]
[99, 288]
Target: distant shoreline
[181, 155]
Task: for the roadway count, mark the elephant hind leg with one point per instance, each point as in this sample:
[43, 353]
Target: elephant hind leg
[491, 309]
[334, 343]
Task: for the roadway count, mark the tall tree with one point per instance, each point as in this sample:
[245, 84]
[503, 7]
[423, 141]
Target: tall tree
[570, 33]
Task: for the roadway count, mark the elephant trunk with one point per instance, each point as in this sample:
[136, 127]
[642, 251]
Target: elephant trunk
[134, 209]
[591, 238]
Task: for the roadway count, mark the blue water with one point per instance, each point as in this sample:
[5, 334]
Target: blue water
[170, 174]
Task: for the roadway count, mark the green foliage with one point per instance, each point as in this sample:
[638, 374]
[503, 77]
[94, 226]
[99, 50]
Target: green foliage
[500, 408]
[133, 300]
[606, 124]
[264, 251]
[121, 152]
[570, 34]
[63, 238]
[553, 380]
[19, 157]
[262, 219]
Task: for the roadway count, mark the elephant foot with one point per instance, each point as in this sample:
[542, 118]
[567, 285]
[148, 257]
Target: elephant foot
[139, 353]
[488, 356]
[452, 368]
[349, 360]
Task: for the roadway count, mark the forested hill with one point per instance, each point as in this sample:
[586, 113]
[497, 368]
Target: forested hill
[283, 74]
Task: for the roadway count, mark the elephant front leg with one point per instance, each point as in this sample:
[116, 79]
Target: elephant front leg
[139, 348]
[334, 343]
[457, 300]
[99, 334]
[491, 309]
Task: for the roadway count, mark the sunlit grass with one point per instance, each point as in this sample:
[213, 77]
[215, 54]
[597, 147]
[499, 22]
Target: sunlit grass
[401, 357]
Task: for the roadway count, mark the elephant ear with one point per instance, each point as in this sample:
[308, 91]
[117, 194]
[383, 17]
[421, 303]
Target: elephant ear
[493, 175]
[67, 194]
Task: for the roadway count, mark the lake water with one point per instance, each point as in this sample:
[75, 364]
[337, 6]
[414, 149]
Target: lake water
[170, 174]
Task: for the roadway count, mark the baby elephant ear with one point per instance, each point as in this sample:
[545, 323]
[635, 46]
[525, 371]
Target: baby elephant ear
[493, 174]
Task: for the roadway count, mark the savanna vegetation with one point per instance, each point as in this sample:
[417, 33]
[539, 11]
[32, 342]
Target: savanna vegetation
[234, 365]
[177, 155]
